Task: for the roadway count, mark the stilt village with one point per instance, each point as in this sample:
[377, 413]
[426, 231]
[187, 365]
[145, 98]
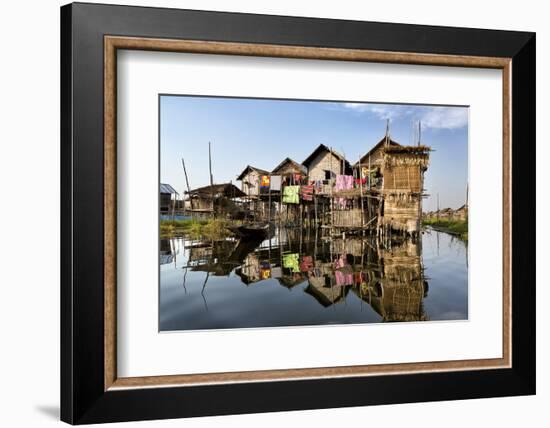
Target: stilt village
[379, 194]
[340, 226]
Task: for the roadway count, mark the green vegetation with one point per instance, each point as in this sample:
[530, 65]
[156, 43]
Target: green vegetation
[212, 229]
[455, 227]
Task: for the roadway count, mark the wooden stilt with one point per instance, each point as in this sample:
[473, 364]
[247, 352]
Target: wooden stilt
[211, 178]
[362, 205]
[187, 183]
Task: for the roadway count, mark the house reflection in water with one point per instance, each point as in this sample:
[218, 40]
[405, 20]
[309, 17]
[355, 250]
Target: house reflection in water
[166, 251]
[389, 279]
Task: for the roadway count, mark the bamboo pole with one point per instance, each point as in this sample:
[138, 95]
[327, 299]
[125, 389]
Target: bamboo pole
[369, 174]
[281, 203]
[362, 204]
[174, 207]
[269, 205]
[211, 178]
[316, 219]
[331, 198]
[187, 183]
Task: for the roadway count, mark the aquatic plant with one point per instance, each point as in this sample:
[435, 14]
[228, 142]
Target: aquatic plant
[455, 227]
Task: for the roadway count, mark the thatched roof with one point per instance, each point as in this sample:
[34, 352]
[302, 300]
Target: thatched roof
[228, 190]
[292, 163]
[420, 150]
[407, 155]
[250, 168]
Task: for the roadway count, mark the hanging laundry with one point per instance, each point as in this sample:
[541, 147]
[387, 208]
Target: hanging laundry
[360, 181]
[343, 182]
[297, 178]
[275, 182]
[264, 182]
[291, 195]
[307, 193]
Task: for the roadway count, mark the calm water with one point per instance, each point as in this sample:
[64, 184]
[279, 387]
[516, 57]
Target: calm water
[298, 278]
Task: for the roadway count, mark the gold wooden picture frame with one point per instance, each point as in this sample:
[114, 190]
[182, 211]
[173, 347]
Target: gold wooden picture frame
[114, 43]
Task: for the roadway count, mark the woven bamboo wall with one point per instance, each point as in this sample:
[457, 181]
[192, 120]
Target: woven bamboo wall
[402, 212]
[347, 218]
[403, 302]
[403, 178]
[355, 247]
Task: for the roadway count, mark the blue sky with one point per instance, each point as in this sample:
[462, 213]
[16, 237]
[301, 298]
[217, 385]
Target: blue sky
[262, 133]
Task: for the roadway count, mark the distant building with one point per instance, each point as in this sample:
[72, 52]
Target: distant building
[218, 198]
[166, 202]
[461, 213]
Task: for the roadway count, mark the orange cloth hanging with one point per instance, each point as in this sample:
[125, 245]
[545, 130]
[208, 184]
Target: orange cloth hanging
[264, 182]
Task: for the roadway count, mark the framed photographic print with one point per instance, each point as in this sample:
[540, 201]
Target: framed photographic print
[266, 213]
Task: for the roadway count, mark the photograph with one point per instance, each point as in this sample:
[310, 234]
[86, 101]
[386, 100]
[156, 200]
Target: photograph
[282, 212]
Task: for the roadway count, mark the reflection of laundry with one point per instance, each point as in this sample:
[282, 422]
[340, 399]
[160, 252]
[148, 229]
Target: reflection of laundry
[341, 261]
[275, 182]
[276, 272]
[307, 264]
[290, 261]
[343, 278]
[290, 195]
[265, 273]
[359, 278]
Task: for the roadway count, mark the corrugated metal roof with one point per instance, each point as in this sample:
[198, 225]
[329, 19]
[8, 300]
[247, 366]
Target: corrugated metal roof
[166, 188]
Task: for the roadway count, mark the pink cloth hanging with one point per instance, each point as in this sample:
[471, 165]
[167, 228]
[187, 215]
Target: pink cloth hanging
[343, 182]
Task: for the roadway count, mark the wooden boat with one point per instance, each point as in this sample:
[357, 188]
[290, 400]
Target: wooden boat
[252, 230]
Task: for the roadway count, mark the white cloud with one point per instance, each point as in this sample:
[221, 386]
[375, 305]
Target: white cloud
[382, 111]
[434, 117]
[445, 117]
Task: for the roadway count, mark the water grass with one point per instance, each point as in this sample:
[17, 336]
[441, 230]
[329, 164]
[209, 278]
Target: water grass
[454, 227]
[211, 229]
